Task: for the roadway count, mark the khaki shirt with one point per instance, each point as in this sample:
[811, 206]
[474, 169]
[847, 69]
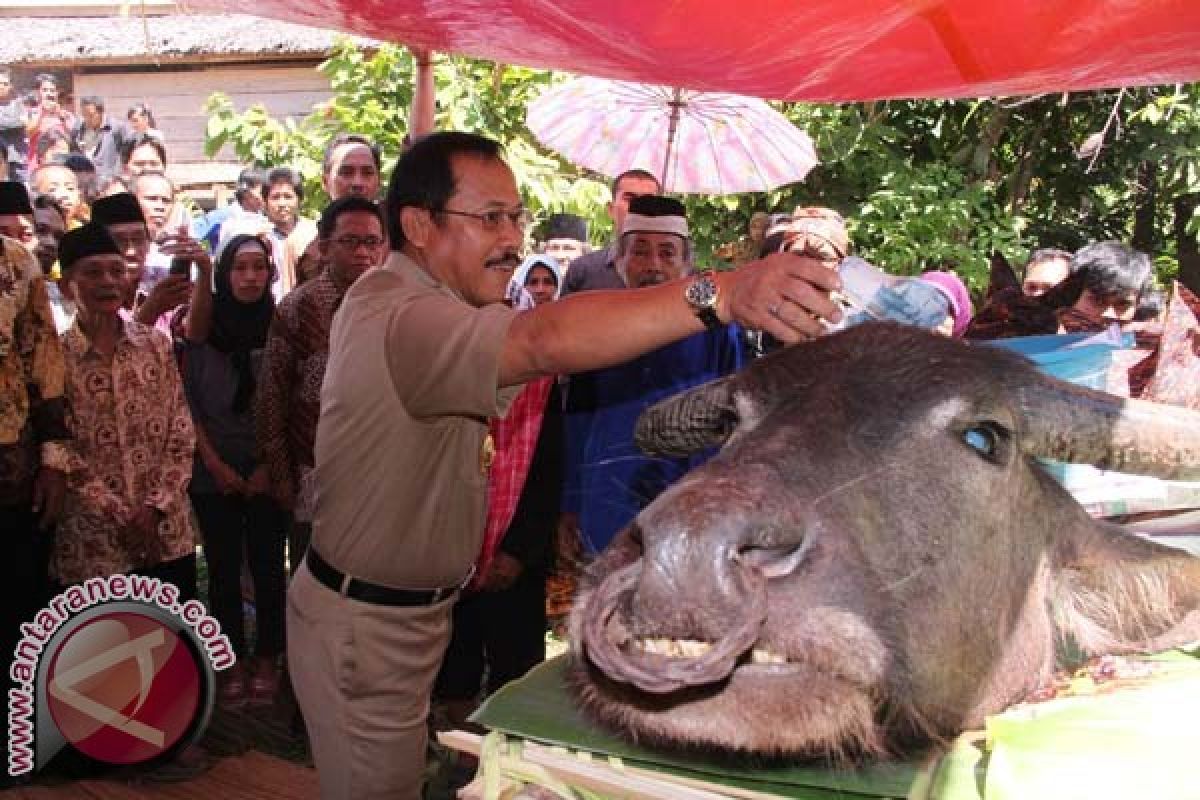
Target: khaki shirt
[401, 474]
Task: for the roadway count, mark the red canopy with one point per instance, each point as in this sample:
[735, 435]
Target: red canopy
[819, 50]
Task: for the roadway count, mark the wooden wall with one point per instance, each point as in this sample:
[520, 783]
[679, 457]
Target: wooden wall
[177, 98]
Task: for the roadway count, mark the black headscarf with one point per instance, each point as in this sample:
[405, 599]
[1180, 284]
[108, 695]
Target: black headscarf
[239, 328]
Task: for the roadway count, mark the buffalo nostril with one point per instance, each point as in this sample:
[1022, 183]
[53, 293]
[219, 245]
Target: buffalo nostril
[774, 561]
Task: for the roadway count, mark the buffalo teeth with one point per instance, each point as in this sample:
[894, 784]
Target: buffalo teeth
[693, 648]
[760, 656]
[675, 648]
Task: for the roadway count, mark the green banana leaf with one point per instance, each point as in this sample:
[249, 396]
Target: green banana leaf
[539, 707]
[1137, 741]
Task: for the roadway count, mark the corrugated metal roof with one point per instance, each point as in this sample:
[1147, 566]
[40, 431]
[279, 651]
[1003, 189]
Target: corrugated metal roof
[79, 41]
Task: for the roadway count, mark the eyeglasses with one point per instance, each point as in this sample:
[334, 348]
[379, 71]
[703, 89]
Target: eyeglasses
[352, 242]
[492, 220]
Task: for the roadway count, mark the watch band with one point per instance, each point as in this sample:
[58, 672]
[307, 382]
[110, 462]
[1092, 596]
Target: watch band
[709, 317]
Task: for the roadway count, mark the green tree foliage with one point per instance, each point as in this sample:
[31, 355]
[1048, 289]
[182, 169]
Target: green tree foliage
[923, 183]
[372, 95]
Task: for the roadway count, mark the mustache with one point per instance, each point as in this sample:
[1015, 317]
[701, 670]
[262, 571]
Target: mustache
[509, 260]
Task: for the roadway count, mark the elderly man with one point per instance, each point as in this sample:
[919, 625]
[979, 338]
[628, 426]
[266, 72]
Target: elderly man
[351, 237]
[351, 166]
[422, 353]
[156, 194]
[566, 238]
[598, 269]
[1045, 269]
[608, 479]
[122, 216]
[33, 436]
[127, 508]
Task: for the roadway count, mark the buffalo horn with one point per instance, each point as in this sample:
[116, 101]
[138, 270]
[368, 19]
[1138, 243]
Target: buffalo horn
[1082, 426]
[688, 422]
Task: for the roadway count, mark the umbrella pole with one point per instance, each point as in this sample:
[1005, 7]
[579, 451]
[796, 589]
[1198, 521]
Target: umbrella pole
[676, 103]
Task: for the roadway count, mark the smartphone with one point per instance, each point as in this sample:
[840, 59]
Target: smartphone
[180, 266]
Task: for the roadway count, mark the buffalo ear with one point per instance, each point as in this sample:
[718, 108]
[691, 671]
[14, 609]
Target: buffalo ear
[1065, 294]
[1001, 276]
[1116, 592]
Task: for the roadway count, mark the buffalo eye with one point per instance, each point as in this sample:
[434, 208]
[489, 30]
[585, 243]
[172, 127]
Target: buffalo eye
[990, 440]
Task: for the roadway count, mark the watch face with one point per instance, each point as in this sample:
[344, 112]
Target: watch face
[702, 293]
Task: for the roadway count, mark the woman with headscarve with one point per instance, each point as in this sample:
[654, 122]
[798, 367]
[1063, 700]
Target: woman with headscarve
[229, 486]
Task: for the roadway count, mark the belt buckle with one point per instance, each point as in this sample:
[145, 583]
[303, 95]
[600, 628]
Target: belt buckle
[463, 583]
[441, 594]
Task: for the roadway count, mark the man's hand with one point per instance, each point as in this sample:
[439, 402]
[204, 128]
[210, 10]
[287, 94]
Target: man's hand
[568, 540]
[181, 244]
[169, 293]
[49, 496]
[502, 573]
[784, 294]
[227, 478]
[259, 483]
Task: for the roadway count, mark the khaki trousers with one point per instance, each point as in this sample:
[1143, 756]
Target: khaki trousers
[363, 676]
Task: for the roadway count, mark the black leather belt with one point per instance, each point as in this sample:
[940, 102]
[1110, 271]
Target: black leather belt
[367, 592]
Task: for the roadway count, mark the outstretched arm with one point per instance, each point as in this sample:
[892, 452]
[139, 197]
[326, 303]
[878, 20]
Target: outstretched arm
[420, 115]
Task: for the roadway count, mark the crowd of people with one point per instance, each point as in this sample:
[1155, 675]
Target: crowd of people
[379, 399]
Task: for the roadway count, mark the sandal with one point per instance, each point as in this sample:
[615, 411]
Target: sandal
[232, 691]
[265, 684]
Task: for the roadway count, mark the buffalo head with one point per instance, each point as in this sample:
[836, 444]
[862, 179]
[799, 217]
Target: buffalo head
[875, 558]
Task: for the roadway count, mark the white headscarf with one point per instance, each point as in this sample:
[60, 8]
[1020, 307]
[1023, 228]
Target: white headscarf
[517, 286]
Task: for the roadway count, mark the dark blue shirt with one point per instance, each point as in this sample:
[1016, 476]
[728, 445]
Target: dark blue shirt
[608, 479]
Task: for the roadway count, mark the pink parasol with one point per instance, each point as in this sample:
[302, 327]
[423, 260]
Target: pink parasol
[694, 142]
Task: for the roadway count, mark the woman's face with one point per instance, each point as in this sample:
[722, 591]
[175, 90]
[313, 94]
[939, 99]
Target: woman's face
[250, 274]
[541, 285]
[282, 205]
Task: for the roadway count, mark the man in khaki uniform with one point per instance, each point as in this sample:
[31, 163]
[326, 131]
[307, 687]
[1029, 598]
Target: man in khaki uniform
[422, 353]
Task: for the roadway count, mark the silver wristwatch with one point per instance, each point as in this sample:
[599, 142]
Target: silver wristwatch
[702, 295]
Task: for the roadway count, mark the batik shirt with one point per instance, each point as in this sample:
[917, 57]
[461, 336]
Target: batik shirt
[32, 408]
[288, 398]
[133, 447]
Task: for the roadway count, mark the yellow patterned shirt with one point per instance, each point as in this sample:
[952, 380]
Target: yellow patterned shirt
[32, 409]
